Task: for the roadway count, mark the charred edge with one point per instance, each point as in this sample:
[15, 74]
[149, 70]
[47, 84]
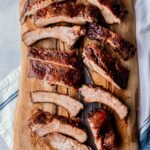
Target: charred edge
[126, 49]
[94, 30]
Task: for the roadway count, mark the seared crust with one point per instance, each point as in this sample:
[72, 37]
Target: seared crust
[66, 12]
[55, 74]
[125, 49]
[112, 68]
[69, 59]
[43, 123]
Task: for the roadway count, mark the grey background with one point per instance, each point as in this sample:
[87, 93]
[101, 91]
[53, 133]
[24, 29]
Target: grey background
[9, 36]
[10, 50]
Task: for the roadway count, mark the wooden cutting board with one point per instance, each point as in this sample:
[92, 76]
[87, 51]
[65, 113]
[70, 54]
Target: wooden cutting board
[127, 129]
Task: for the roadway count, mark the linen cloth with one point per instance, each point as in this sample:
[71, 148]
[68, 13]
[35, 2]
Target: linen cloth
[10, 85]
[142, 8]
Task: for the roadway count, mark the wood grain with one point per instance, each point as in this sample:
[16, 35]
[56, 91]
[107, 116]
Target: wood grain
[127, 129]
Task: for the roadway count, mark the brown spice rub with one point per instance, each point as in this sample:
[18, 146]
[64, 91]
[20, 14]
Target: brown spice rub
[69, 59]
[97, 59]
[125, 49]
[55, 74]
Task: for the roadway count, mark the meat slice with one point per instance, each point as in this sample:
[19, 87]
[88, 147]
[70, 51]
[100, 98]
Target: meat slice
[60, 142]
[69, 35]
[101, 128]
[31, 6]
[55, 74]
[73, 106]
[69, 59]
[102, 62]
[43, 123]
[101, 95]
[125, 49]
[66, 12]
[112, 10]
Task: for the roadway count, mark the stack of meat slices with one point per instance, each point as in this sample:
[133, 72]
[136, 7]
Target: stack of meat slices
[113, 11]
[123, 47]
[101, 61]
[72, 12]
[65, 69]
[56, 67]
[58, 132]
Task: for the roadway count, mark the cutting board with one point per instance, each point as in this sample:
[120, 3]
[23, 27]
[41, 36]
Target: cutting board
[127, 129]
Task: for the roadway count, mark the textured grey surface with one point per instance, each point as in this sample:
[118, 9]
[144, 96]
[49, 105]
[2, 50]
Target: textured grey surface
[9, 36]
[3, 145]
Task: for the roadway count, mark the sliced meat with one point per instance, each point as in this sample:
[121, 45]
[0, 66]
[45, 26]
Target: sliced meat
[125, 49]
[31, 6]
[102, 62]
[101, 95]
[66, 12]
[112, 10]
[60, 142]
[69, 35]
[69, 59]
[55, 74]
[101, 128]
[73, 106]
[43, 123]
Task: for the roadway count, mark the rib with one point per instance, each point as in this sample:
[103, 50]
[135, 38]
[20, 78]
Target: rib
[66, 12]
[124, 48]
[69, 35]
[73, 106]
[69, 59]
[101, 128]
[112, 10]
[43, 123]
[55, 74]
[31, 6]
[102, 62]
[101, 95]
[60, 142]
